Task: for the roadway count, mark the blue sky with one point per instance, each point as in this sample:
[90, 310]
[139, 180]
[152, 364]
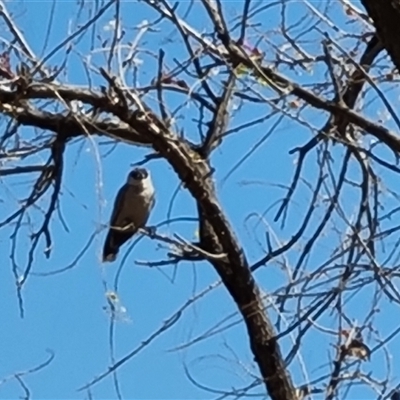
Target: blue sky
[66, 313]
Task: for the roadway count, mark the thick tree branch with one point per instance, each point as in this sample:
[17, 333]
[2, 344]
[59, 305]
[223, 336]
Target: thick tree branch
[386, 18]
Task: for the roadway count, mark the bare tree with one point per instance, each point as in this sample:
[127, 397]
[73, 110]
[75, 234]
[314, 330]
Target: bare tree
[307, 83]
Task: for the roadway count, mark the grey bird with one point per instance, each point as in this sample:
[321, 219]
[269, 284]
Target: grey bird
[132, 208]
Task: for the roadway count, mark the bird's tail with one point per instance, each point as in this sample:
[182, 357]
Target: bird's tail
[110, 250]
[114, 240]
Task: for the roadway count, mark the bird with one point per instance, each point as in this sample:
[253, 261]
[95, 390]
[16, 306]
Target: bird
[132, 208]
[355, 346]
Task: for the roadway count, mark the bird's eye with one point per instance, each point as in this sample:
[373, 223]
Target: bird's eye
[135, 175]
[139, 174]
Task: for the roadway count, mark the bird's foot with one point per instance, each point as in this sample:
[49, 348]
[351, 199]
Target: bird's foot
[151, 231]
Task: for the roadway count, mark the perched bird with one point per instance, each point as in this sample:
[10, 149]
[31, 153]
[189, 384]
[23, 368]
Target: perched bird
[131, 211]
[354, 346]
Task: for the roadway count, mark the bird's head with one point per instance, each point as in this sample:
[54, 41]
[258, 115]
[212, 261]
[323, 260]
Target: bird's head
[137, 176]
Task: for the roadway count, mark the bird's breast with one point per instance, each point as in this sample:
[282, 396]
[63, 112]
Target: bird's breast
[136, 208]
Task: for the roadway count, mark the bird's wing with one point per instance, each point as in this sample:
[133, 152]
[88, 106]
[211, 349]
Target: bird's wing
[118, 206]
[153, 202]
